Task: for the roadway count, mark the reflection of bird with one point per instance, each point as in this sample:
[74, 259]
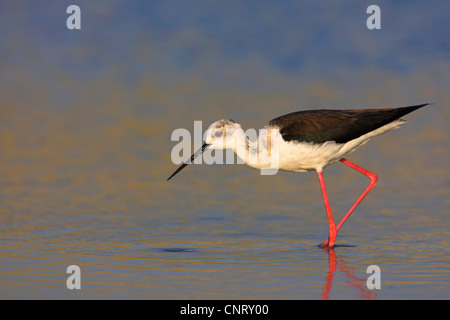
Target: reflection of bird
[355, 282]
[305, 141]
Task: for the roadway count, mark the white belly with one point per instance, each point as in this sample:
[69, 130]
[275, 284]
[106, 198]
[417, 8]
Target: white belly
[302, 157]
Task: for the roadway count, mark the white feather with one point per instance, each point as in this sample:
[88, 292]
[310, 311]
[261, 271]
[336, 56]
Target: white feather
[270, 150]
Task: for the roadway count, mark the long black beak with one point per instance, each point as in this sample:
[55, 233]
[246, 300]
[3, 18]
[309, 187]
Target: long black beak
[195, 155]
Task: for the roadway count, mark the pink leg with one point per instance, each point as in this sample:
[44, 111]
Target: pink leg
[373, 181]
[332, 228]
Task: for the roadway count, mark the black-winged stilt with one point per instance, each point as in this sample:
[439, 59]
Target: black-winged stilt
[305, 141]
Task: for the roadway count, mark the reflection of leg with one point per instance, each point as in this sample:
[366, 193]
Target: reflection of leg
[373, 181]
[332, 228]
[331, 270]
[360, 284]
[337, 263]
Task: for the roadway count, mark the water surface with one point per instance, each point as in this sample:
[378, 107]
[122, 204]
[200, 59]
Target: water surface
[85, 126]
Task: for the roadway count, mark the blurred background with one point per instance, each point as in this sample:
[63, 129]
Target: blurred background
[86, 118]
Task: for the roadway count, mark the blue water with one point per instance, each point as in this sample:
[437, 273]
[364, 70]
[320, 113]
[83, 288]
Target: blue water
[86, 119]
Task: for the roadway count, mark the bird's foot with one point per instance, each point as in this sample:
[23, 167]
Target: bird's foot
[326, 244]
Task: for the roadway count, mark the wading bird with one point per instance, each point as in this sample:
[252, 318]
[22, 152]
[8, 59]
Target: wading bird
[307, 140]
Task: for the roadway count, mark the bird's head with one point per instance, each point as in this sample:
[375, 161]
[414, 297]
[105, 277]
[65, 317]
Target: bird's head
[221, 134]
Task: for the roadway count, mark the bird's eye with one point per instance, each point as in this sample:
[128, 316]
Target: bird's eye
[218, 134]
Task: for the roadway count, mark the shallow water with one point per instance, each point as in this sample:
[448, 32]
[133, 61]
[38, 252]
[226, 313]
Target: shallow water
[214, 231]
[85, 126]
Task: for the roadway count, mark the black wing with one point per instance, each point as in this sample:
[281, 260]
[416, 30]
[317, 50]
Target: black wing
[340, 126]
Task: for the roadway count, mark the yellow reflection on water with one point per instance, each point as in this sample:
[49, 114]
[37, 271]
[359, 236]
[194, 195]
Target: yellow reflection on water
[86, 184]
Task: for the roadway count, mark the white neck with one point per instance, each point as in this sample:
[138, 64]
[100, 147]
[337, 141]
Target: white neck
[261, 153]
